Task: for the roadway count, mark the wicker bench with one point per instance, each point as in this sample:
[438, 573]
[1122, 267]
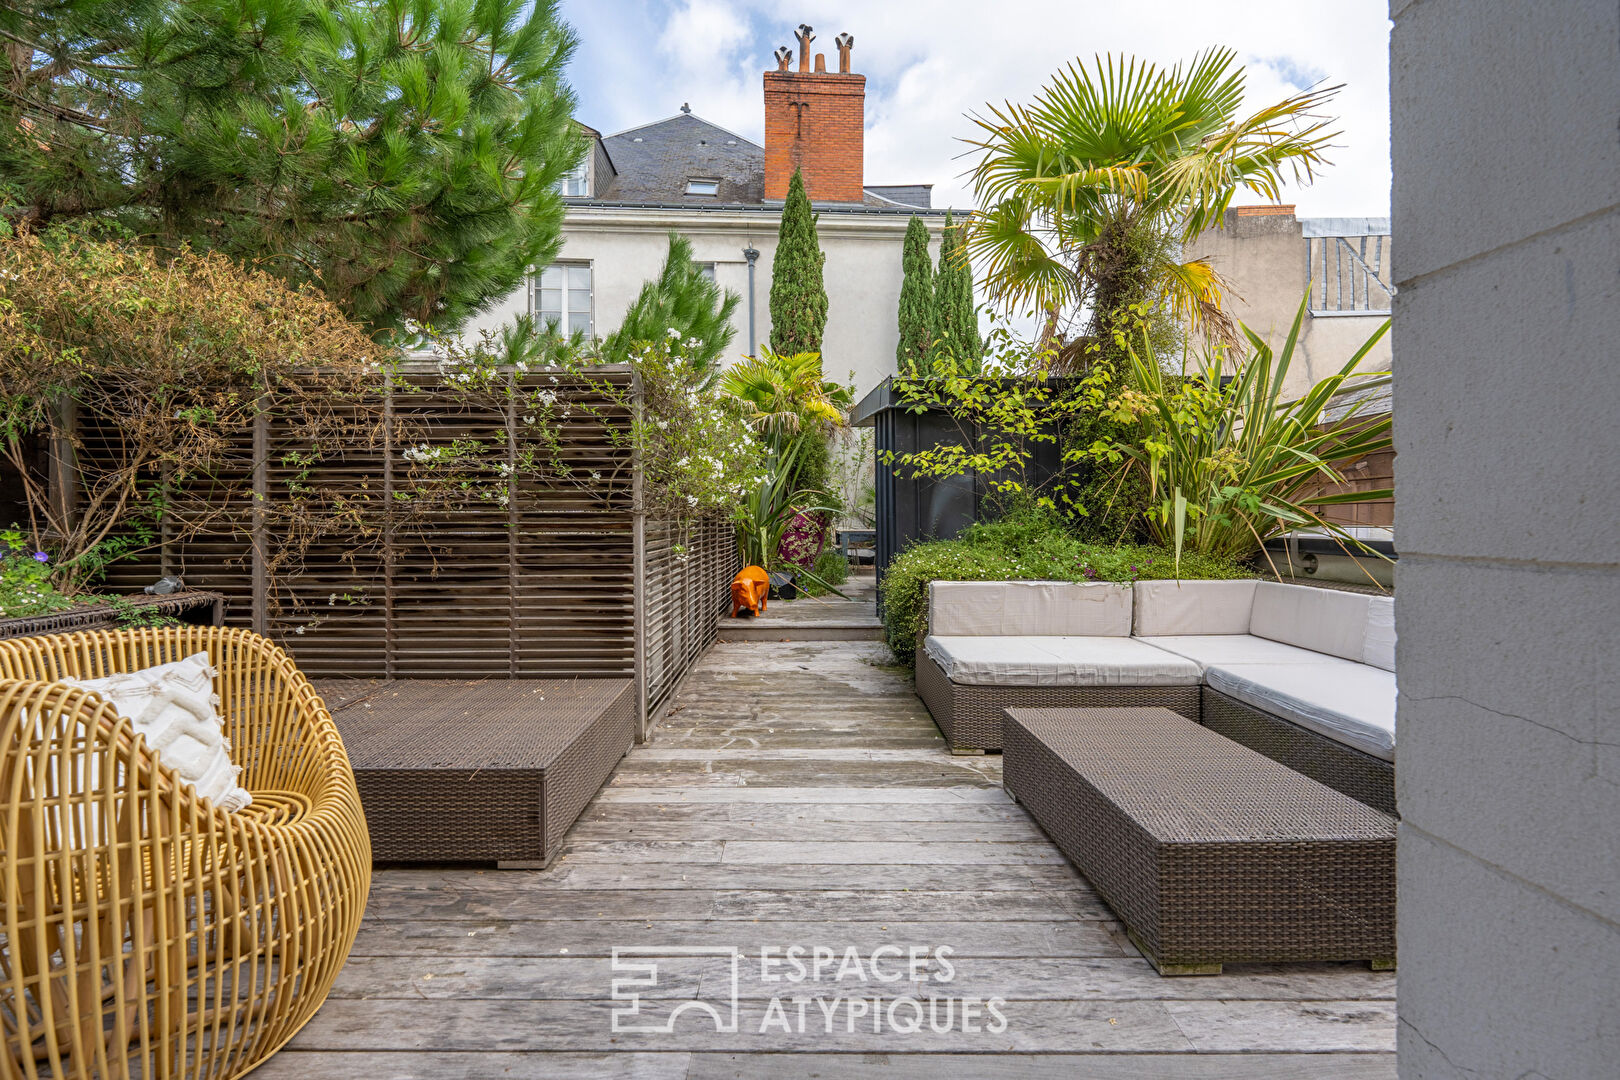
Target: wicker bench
[486, 772]
[1209, 852]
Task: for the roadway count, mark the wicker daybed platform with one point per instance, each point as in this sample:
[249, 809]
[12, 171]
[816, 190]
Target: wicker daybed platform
[1211, 853]
[494, 771]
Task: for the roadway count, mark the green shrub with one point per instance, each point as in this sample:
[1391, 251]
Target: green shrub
[830, 568]
[25, 579]
[1028, 546]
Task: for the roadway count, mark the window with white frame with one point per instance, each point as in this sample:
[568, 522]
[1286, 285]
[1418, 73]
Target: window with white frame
[703, 185]
[577, 182]
[706, 271]
[562, 294]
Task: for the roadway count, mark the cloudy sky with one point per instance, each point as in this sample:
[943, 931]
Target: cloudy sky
[928, 62]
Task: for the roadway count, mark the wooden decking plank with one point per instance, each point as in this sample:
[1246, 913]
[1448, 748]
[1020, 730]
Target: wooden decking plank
[798, 793]
[498, 937]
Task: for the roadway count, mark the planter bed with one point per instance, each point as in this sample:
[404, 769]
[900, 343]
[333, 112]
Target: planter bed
[194, 607]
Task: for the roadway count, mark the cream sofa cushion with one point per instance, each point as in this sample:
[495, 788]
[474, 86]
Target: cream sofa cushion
[1208, 650]
[1045, 660]
[1028, 609]
[1162, 608]
[1322, 620]
[1349, 702]
[174, 706]
[1378, 647]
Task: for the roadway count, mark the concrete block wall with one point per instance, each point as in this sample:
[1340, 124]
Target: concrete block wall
[1506, 217]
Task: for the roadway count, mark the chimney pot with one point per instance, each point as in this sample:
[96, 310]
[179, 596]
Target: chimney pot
[784, 56]
[805, 38]
[845, 42]
[814, 124]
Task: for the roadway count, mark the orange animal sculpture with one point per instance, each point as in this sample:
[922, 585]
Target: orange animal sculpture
[749, 590]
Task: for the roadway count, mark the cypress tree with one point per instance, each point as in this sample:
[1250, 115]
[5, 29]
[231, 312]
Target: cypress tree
[916, 300]
[798, 298]
[956, 323]
[401, 157]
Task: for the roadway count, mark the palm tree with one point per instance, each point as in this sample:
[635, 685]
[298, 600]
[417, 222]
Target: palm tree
[1090, 192]
[784, 397]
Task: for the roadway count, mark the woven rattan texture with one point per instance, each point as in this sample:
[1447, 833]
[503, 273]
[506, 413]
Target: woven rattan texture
[146, 934]
[970, 716]
[1209, 852]
[203, 607]
[1341, 767]
[488, 771]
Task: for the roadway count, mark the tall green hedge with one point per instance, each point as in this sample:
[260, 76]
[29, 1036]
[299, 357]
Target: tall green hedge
[916, 317]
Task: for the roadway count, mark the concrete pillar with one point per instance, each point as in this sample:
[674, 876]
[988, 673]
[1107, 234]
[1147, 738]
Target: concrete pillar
[1507, 426]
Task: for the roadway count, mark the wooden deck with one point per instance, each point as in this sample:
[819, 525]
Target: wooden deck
[800, 795]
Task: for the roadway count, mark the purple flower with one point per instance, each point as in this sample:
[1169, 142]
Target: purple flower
[40, 556]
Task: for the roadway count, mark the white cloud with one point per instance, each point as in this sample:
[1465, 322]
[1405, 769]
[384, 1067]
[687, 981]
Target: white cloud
[929, 62]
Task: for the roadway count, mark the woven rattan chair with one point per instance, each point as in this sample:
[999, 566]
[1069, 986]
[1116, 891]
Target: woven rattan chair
[143, 932]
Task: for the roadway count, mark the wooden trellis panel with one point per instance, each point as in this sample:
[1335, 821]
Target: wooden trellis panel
[687, 572]
[536, 577]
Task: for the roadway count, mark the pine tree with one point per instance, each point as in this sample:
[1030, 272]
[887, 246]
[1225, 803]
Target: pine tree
[680, 298]
[798, 298]
[956, 322]
[916, 300]
[403, 157]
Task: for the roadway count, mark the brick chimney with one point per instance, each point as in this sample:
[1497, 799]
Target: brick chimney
[815, 121]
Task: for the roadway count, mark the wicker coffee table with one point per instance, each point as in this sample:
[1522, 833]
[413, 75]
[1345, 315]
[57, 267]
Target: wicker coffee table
[1209, 852]
[491, 771]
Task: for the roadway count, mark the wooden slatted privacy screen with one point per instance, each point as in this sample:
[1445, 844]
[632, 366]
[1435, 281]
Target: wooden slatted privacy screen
[534, 576]
[687, 567]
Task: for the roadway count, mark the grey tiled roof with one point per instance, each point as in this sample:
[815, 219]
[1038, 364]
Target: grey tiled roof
[655, 161]
[918, 195]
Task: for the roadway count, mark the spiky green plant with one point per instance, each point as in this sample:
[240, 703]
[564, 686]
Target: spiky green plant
[679, 299]
[1230, 466]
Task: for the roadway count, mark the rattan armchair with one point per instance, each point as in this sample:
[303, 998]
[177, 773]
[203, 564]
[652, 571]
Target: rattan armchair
[143, 932]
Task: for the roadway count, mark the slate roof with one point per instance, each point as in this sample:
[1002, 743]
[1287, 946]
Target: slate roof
[655, 161]
[652, 164]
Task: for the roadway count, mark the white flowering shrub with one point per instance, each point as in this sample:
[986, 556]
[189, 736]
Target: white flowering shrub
[698, 455]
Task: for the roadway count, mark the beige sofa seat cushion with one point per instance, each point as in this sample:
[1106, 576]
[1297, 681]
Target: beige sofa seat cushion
[1162, 608]
[1045, 660]
[1028, 609]
[1348, 702]
[1322, 620]
[1208, 650]
[175, 708]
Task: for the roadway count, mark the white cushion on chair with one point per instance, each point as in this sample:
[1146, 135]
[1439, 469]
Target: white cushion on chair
[174, 706]
[1193, 607]
[1028, 608]
[1044, 660]
[1349, 702]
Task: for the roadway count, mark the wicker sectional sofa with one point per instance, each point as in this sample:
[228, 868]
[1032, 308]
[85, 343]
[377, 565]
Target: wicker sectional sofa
[1303, 675]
